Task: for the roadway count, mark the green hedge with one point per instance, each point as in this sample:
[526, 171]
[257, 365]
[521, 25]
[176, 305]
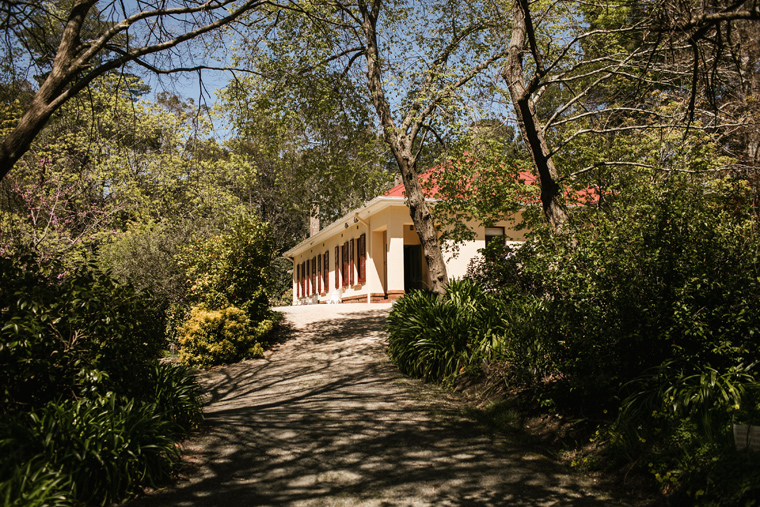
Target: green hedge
[644, 307]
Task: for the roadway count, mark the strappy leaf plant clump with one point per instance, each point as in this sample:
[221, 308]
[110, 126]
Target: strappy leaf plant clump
[106, 447]
[88, 415]
[436, 337]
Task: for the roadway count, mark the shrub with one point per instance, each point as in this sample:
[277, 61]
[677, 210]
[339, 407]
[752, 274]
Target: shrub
[69, 334]
[106, 447]
[281, 286]
[672, 271]
[232, 269]
[145, 256]
[653, 302]
[527, 350]
[435, 337]
[495, 269]
[211, 337]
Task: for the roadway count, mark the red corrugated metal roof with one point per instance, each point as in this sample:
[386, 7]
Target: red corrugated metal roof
[574, 197]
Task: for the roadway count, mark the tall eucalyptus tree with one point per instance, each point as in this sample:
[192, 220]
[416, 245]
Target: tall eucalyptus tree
[421, 65]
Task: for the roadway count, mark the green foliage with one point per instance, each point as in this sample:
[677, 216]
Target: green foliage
[721, 477]
[480, 188]
[105, 446]
[669, 389]
[144, 256]
[281, 274]
[71, 334]
[312, 140]
[652, 301]
[646, 308]
[671, 271]
[35, 485]
[232, 268]
[527, 351]
[425, 338]
[88, 414]
[177, 395]
[437, 337]
[211, 337]
[230, 282]
[495, 269]
[680, 422]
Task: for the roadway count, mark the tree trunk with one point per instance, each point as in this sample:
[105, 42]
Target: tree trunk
[522, 100]
[20, 139]
[424, 222]
[51, 94]
[401, 144]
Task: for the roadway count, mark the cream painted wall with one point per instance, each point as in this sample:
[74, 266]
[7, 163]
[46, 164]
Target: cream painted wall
[376, 262]
[456, 264]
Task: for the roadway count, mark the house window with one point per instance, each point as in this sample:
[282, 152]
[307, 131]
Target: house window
[298, 280]
[495, 234]
[314, 275]
[305, 272]
[344, 255]
[361, 253]
[337, 268]
[319, 273]
[326, 271]
[351, 258]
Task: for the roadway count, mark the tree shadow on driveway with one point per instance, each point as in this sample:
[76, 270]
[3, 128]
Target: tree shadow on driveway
[328, 420]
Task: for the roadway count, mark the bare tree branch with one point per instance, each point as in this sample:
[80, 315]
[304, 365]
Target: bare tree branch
[74, 66]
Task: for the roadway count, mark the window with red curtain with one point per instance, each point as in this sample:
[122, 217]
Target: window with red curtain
[344, 254]
[361, 254]
[305, 278]
[351, 258]
[314, 275]
[319, 272]
[326, 271]
[298, 280]
[337, 267]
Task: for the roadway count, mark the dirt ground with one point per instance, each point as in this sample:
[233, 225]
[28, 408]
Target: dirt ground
[326, 420]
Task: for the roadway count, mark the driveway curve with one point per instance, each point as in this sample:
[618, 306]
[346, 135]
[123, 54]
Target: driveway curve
[327, 420]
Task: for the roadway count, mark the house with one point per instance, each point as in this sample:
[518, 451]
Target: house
[373, 253]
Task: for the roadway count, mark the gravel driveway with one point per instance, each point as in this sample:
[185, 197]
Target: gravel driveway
[327, 420]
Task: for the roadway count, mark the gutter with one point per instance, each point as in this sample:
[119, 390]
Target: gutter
[337, 224]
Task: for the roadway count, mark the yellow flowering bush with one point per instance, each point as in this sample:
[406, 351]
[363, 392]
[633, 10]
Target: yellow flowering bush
[211, 337]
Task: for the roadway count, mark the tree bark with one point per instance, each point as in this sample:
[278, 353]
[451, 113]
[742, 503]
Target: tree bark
[401, 144]
[521, 94]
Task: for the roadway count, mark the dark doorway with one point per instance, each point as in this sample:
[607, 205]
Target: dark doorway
[412, 267]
